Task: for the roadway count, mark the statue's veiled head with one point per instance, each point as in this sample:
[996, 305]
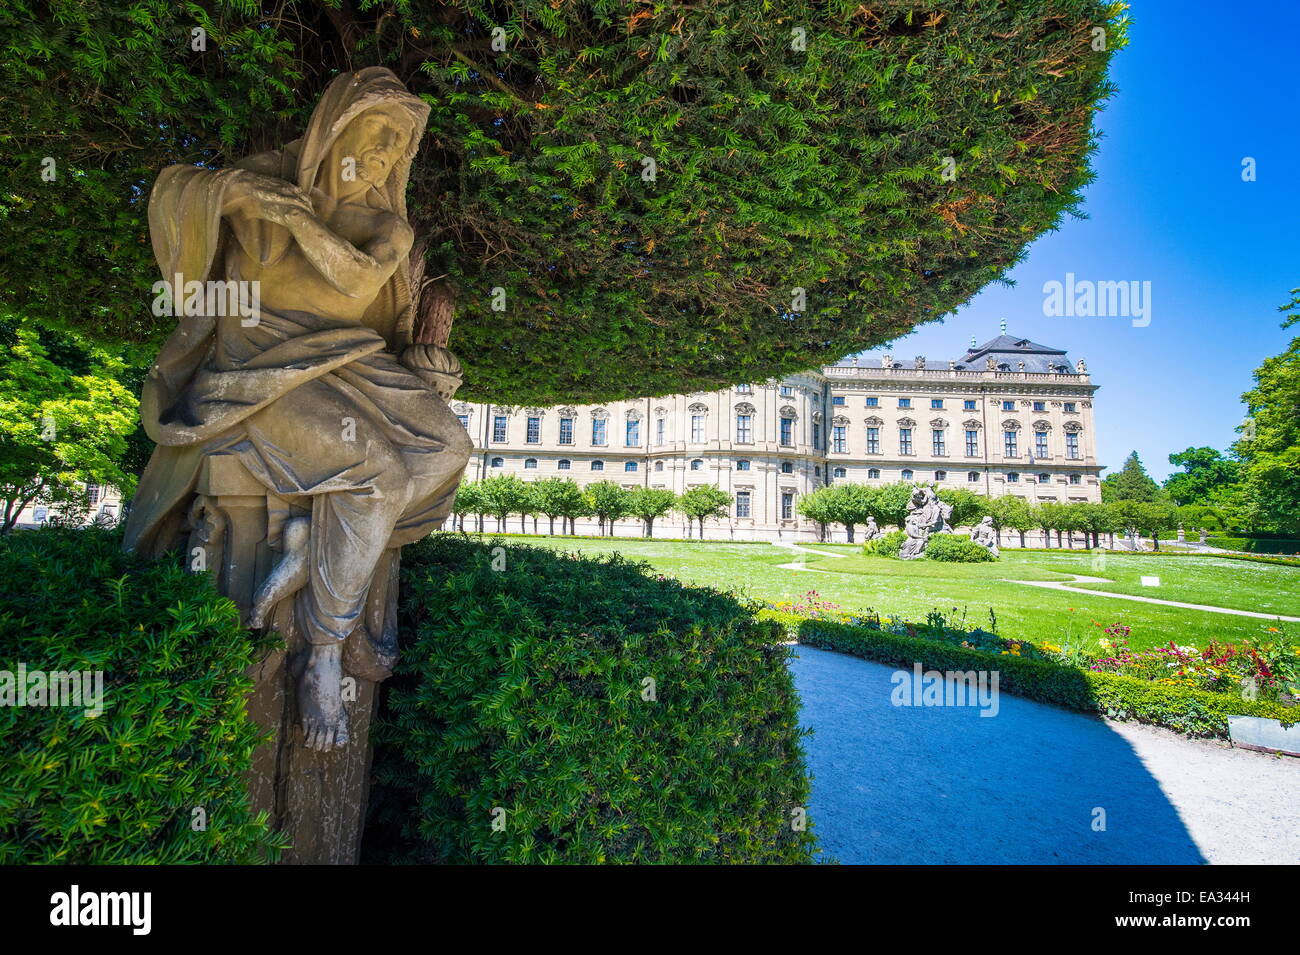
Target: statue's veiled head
[361, 139]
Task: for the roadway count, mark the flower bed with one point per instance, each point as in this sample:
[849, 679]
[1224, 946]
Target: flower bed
[1182, 688]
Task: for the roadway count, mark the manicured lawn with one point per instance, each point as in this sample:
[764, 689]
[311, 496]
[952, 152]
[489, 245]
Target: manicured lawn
[912, 589]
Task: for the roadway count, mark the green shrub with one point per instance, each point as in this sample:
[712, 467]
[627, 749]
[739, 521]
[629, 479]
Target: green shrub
[1255, 545]
[886, 545]
[173, 735]
[956, 549]
[1190, 711]
[521, 689]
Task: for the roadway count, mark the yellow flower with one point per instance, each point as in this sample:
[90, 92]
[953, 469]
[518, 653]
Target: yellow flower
[1104, 642]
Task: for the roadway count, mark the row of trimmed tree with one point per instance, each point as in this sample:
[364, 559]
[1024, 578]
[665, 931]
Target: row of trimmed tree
[851, 505]
[503, 496]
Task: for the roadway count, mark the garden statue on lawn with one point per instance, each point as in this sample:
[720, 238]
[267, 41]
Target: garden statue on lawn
[300, 448]
[872, 532]
[926, 515]
[986, 536]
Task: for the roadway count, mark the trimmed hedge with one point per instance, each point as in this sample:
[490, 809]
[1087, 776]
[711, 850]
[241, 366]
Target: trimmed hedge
[956, 549]
[521, 690]
[886, 545]
[1193, 712]
[1256, 545]
[122, 787]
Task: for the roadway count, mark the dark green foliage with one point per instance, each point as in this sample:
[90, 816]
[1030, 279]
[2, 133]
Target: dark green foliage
[955, 548]
[776, 168]
[1256, 545]
[522, 689]
[886, 545]
[1130, 483]
[122, 787]
[1190, 711]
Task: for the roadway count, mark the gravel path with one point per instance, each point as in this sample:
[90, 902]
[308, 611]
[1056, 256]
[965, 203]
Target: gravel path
[894, 784]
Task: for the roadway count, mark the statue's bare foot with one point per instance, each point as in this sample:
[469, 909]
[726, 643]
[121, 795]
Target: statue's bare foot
[320, 698]
[289, 574]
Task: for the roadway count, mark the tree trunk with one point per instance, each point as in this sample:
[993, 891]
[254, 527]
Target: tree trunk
[849, 528]
[1022, 540]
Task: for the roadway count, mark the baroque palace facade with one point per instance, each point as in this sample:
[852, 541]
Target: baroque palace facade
[1008, 417]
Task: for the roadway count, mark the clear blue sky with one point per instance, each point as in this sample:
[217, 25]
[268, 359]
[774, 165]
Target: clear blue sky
[1201, 86]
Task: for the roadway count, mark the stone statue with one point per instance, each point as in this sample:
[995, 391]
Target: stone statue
[299, 450]
[986, 536]
[872, 531]
[926, 515]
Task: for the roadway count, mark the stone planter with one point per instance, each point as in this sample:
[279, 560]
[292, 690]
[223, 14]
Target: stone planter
[1265, 735]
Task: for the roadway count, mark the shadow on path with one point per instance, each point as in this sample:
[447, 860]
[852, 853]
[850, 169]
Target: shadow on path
[944, 785]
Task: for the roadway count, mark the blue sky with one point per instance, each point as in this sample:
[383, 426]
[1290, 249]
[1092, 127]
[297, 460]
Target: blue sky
[1200, 88]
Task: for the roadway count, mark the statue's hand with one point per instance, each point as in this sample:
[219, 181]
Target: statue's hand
[265, 197]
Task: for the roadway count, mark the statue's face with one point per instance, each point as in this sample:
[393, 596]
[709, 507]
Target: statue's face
[366, 151]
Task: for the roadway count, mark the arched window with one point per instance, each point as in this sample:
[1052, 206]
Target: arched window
[941, 475]
[1044, 478]
[1076, 479]
[598, 465]
[873, 474]
[907, 474]
[530, 464]
[742, 465]
[972, 476]
[787, 467]
[839, 473]
[564, 464]
[629, 465]
[1013, 477]
[697, 464]
[498, 463]
[659, 465]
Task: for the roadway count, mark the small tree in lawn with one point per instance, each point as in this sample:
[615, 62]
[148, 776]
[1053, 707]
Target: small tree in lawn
[503, 495]
[647, 503]
[1155, 518]
[816, 506]
[850, 504]
[468, 500]
[557, 497]
[530, 505]
[1049, 516]
[608, 502]
[701, 503]
[889, 503]
[1013, 514]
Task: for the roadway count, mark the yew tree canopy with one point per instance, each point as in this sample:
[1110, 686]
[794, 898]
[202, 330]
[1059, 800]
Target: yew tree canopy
[647, 183]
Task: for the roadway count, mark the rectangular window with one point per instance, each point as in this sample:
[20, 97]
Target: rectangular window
[659, 431]
[742, 504]
[566, 431]
[1040, 405]
[744, 428]
[464, 421]
[1040, 443]
[904, 402]
[633, 437]
[873, 402]
[968, 405]
[598, 431]
[904, 440]
[937, 441]
[1009, 444]
[936, 404]
[839, 442]
[873, 441]
[786, 391]
[787, 432]
[499, 428]
[837, 400]
[1008, 406]
[697, 428]
[1072, 445]
[972, 444]
[787, 505]
[744, 389]
[817, 435]
[534, 433]
[1069, 406]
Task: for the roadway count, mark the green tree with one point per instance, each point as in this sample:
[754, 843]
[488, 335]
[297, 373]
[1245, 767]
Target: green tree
[503, 495]
[559, 497]
[1205, 471]
[63, 424]
[468, 501]
[847, 504]
[703, 502]
[1269, 448]
[648, 503]
[889, 503]
[1011, 513]
[640, 180]
[1130, 483]
[608, 502]
[816, 506]
[968, 508]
